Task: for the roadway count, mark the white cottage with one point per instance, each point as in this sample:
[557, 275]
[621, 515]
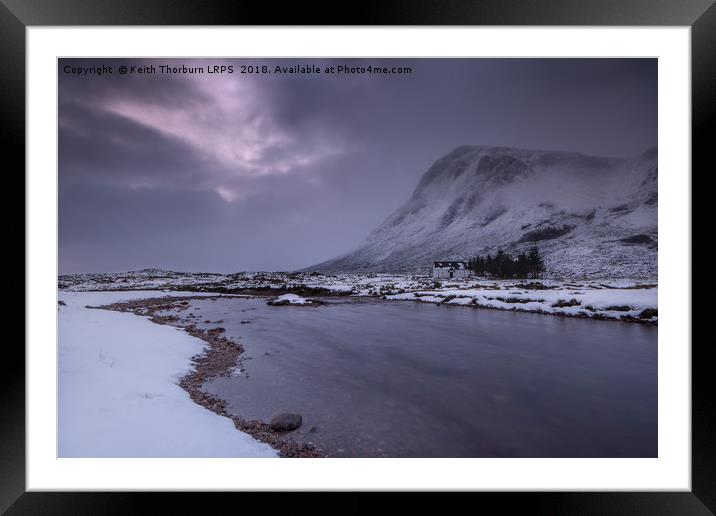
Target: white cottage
[450, 270]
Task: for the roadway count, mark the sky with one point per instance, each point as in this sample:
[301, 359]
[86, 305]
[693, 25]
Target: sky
[225, 172]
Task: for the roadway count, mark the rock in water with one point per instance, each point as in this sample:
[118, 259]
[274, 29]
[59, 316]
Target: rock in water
[286, 422]
[288, 299]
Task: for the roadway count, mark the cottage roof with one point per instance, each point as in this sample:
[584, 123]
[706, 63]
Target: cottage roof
[450, 265]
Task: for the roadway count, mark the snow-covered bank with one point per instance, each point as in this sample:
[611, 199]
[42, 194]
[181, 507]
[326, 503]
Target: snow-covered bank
[622, 298]
[585, 301]
[118, 388]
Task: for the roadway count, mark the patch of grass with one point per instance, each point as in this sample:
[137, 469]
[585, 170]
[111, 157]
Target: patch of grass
[517, 300]
[533, 285]
[484, 286]
[637, 239]
[648, 313]
[561, 303]
[546, 233]
[618, 308]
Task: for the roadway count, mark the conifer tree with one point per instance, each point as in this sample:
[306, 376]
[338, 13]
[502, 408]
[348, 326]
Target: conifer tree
[522, 266]
[536, 262]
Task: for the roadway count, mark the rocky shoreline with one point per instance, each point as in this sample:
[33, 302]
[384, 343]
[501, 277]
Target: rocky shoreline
[221, 356]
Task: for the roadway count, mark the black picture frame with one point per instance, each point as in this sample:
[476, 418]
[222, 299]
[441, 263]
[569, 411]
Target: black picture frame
[700, 15]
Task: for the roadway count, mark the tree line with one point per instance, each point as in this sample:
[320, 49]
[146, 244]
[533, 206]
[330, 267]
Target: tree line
[525, 265]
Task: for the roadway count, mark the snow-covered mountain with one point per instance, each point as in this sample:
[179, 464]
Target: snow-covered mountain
[589, 216]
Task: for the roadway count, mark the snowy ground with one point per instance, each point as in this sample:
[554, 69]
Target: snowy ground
[611, 299]
[588, 302]
[118, 388]
[290, 299]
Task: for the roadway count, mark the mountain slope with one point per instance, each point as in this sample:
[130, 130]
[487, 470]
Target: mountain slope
[590, 216]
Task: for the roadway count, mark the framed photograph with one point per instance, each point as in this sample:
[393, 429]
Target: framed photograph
[444, 248]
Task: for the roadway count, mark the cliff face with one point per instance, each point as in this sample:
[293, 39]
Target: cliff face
[590, 216]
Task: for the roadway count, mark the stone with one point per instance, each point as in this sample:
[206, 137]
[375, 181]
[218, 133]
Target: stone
[286, 422]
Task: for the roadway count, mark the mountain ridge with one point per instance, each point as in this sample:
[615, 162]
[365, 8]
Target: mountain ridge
[590, 216]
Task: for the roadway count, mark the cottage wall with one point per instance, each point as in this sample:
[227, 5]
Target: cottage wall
[444, 273]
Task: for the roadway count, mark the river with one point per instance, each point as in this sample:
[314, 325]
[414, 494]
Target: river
[409, 379]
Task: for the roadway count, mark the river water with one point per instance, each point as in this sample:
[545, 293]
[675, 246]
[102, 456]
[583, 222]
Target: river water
[409, 379]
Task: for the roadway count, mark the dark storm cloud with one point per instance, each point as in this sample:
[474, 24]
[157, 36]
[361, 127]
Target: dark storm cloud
[230, 172]
[101, 147]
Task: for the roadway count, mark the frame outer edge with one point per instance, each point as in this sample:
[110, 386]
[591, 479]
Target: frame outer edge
[12, 140]
[367, 12]
[12, 126]
[703, 113]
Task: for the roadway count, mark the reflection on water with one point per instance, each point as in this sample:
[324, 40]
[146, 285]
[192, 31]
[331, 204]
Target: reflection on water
[403, 379]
